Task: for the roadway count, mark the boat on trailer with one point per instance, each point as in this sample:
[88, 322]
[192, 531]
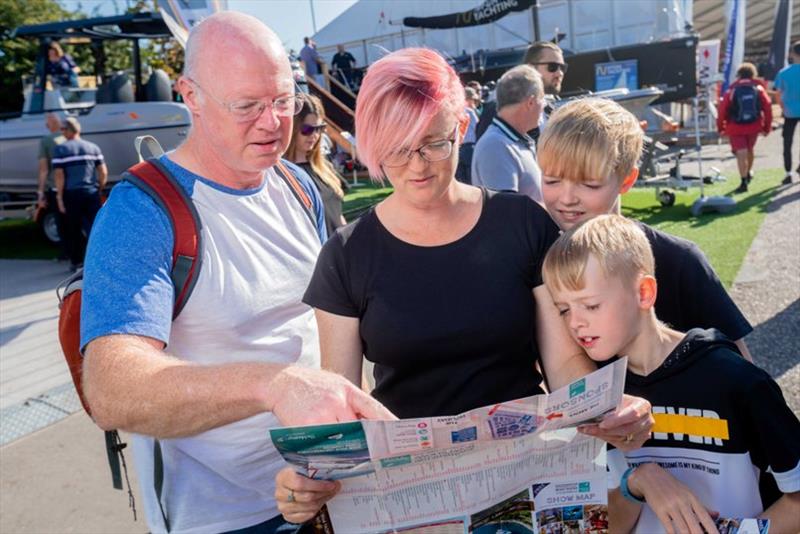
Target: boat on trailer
[112, 112]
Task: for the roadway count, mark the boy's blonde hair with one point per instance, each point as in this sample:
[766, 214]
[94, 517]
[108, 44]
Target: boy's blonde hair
[617, 243]
[590, 138]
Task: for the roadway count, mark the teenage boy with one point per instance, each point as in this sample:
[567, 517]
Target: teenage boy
[588, 155]
[723, 420]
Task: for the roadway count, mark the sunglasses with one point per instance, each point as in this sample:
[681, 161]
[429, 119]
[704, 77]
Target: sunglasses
[553, 66]
[308, 129]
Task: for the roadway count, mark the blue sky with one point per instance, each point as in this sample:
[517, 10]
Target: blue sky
[291, 19]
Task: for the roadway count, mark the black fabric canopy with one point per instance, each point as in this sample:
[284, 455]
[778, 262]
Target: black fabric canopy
[488, 11]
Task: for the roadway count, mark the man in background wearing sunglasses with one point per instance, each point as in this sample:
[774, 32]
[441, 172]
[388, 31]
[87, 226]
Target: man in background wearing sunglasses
[243, 355]
[548, 59]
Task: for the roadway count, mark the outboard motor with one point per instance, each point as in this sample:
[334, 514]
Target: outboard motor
[118, 89]
[158, 87]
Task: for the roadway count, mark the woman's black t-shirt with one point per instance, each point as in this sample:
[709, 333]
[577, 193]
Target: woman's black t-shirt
[451, 327]
[330, 201]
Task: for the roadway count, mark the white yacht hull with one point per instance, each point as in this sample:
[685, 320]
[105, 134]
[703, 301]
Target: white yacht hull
[113, 127]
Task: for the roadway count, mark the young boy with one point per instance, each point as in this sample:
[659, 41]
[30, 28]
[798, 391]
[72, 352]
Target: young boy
[588, 155]
[723, 421]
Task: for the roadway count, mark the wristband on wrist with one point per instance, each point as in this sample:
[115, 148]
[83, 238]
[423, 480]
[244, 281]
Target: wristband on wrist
[625, 490]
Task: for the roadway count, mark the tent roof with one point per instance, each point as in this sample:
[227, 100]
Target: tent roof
[709, 20]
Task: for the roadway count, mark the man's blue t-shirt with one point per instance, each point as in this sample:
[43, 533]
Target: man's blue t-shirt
[788, 83]
[125, 298]
[79, 160]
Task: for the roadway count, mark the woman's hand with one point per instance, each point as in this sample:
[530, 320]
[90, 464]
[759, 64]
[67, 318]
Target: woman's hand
[627, 428]
[299, 498]
[678, 509]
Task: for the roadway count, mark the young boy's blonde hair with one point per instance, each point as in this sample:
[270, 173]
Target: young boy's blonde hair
[590, 138]
[617, 243]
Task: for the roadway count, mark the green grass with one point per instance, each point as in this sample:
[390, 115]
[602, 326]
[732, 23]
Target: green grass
[724, 238]
[23, 239]
[360, 198]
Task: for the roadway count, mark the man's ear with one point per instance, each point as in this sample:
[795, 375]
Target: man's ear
[629, 180]
[188, 93]
[648, 291]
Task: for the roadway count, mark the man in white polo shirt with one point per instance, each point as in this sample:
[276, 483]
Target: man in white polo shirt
[505, 156]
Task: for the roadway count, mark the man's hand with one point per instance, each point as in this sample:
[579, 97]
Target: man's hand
[61, 207]
[627, 428]
[678, 509]
[300, 498]
[305, 396]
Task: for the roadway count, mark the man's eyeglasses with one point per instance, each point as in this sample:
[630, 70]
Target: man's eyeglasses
[308, 129]
[250, 110]
[431, 152]
[553, 66]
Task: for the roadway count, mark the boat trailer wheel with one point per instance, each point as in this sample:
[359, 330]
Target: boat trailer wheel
[666, 198]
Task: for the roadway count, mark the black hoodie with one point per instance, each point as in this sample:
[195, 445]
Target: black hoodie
[705, 388]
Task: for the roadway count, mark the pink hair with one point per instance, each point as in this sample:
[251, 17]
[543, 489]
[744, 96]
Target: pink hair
[399, 97]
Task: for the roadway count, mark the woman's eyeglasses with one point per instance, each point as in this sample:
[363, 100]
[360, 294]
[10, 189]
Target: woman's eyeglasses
[308, 129]
[553, 66]
[431, 152]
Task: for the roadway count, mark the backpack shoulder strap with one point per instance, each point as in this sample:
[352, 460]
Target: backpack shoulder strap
[300, 194]
[155, 180]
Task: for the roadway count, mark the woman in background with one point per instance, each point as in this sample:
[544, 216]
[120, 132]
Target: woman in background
[61, 67]
[305, 151]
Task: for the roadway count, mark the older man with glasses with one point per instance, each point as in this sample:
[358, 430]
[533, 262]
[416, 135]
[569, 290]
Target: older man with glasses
[505, 157]
[200, 392]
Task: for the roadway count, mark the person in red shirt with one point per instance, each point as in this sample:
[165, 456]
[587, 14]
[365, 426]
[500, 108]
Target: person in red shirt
[745, 111]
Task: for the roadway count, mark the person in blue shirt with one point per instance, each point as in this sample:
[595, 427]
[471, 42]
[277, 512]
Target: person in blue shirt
[61, 67]
[80, 175]
[787, 85]
[244, 353]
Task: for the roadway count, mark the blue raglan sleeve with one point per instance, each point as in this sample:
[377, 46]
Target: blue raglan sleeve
[316, 200]
[127, 287]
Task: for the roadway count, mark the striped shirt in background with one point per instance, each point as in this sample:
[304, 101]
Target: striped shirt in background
[79, 160]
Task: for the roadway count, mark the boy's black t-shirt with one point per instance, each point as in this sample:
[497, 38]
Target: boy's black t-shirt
[450, 327]
[704, 385]
[689, 293]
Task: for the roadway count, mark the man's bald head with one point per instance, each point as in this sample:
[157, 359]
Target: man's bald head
[53, 122]
[226, 36]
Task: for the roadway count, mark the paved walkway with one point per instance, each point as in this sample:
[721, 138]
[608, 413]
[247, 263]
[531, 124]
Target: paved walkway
[56, 479]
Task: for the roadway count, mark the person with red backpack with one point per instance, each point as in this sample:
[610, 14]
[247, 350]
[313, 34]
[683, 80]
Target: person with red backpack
[745, 111]
[199, 380]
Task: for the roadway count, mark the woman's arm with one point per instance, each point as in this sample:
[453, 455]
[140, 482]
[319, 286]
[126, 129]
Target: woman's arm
[784, 514]
[622, 513]
[340, 345]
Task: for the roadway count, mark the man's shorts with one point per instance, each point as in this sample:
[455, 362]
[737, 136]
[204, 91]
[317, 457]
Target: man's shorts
[743, 142]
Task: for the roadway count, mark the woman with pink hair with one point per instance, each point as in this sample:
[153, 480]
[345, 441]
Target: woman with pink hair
[440, 284]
